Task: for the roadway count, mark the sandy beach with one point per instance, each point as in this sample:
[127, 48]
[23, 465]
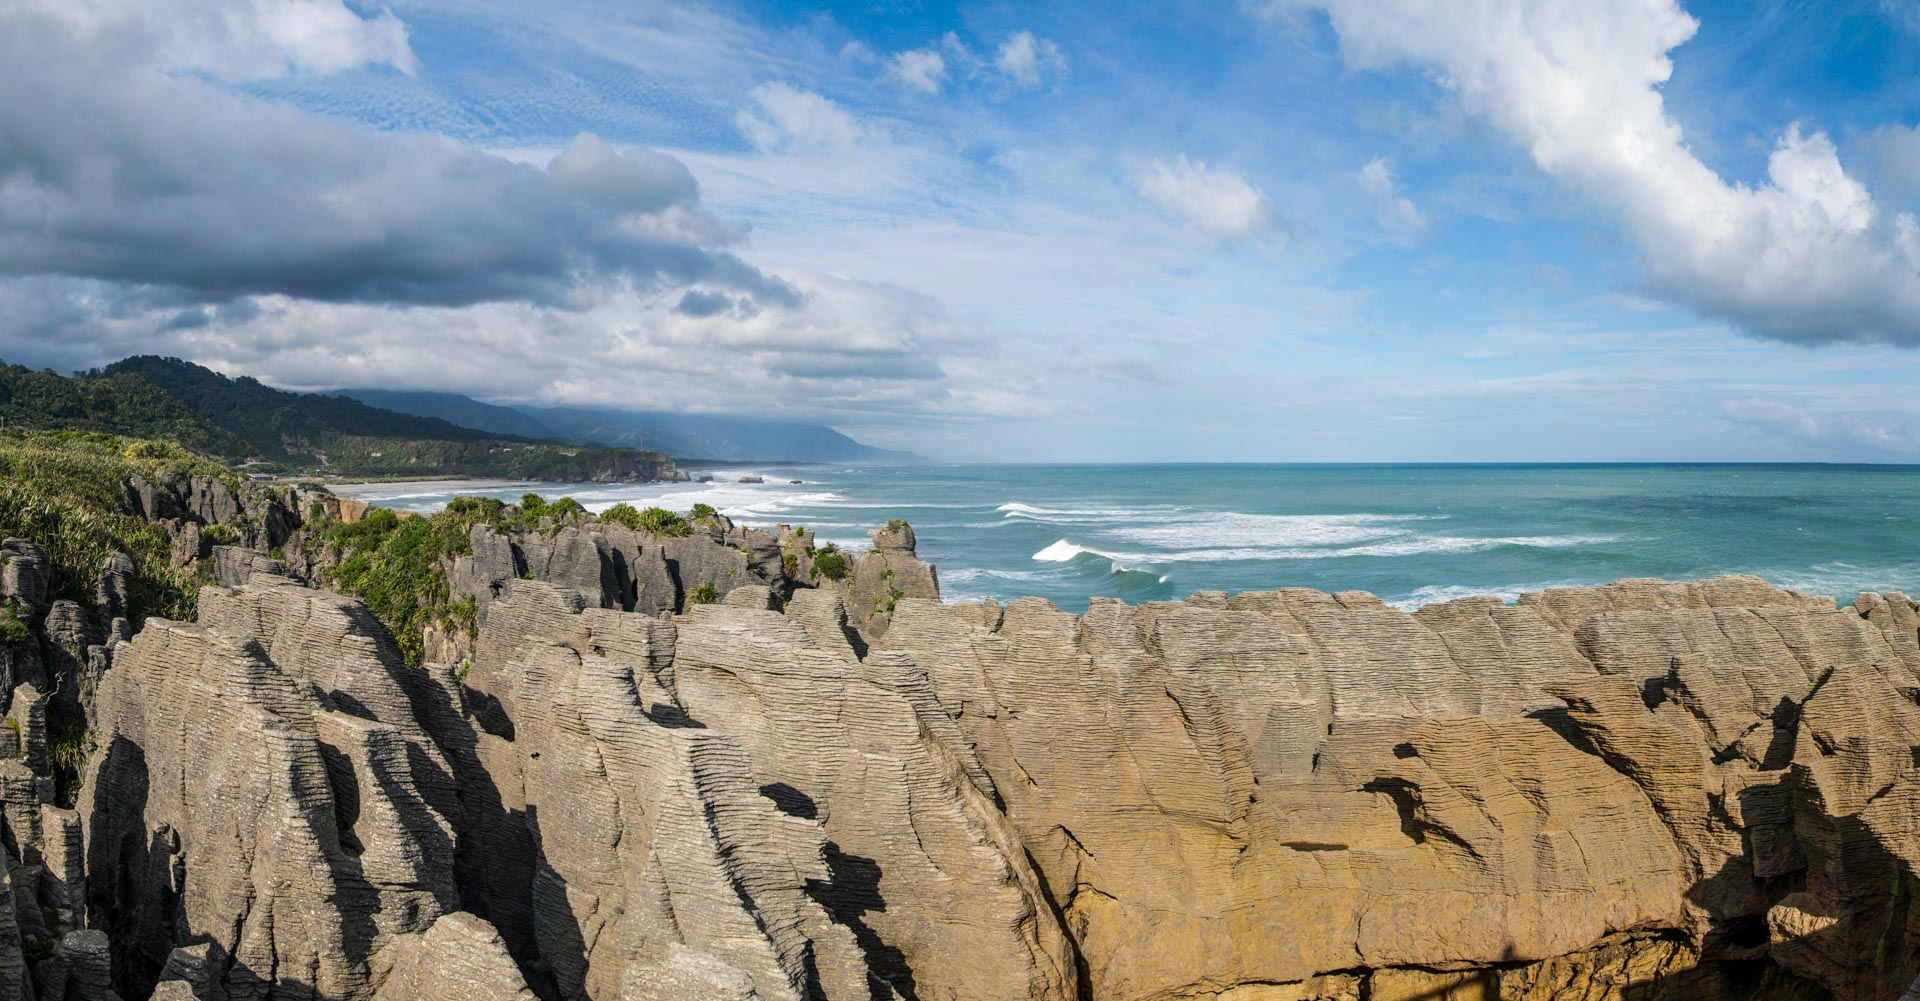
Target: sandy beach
[402, 486]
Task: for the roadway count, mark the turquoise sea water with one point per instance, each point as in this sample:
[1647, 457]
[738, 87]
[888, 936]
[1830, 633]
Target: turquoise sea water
[1411, 534]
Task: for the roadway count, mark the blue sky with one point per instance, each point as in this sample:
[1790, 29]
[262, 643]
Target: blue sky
[1289, 230]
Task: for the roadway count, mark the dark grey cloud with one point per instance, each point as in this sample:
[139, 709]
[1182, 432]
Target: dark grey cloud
[112, 169]
[701, 303]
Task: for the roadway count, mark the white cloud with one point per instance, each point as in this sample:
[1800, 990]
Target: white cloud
[1393, 211]
[1213, 199]
[1805, 256]
[923, 70]
[148, 210]
[248, 39]
[787, 119]
[1027, 60]
[124, 172]
[1805, 427]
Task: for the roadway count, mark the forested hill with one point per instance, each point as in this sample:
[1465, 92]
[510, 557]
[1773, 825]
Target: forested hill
[244, 420]
[269, 418]
[123, 404]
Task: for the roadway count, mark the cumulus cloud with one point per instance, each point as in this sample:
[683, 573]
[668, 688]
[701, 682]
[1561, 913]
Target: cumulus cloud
[785, 118]
[1805, 256]
[245, 39]
[121, 172]
[924, 70]
[148, 206]
[1212, 199]
[1797, 424]
[1027, 61]
[1393, 211]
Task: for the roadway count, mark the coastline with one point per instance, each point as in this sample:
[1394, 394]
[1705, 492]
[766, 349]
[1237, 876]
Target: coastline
[360, 488]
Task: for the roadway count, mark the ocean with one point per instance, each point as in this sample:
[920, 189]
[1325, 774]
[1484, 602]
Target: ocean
[1412, 534]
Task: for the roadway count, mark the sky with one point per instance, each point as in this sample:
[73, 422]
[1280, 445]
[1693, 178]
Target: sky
[1276, 230]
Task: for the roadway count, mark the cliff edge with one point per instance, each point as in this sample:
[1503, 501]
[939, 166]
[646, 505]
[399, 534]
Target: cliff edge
[804, 786]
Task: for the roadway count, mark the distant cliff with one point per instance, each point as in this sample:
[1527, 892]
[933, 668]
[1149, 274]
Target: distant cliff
[649, 756]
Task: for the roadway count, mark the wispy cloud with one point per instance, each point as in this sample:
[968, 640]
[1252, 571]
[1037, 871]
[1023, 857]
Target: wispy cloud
[1028, 61]
[1393, 211]
[1800, 425]
[924, 70]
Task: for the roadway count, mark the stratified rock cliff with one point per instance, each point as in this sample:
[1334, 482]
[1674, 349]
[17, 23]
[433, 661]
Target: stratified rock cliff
[613, 791]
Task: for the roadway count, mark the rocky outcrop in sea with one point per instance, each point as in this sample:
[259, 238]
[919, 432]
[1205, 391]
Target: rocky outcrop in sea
[693, 767]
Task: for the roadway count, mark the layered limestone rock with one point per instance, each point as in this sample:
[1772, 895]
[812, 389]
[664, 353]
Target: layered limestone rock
[1644, 790]
[1278, 787]
[262, 787]
[886, 574]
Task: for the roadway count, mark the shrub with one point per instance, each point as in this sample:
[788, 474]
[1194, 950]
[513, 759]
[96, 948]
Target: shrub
[704, 511]
[830, 564]
[67, 491]
[532, 505]
[13, 631]
[219, 535]
[67, 746]
[790, 565]
[705, 594]
[622, 513]
[566, 507]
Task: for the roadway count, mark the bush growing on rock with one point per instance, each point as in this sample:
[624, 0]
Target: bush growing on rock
[67, 491]
[705, 594]
[13, 628]
[829, 563]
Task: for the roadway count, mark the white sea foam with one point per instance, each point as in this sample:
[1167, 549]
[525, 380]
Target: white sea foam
[960, 575]
[1842, 580]
[1032, 512]
[1436, 594]
[1413, 545]
[1062, 551]
[1235, 530]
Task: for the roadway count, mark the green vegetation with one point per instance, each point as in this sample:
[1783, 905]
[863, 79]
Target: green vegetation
[123, 404]
[790, 565]
[218, 535]
[166, 399]
[14, 631]
[829, 563]
[67, 491]
[653, 520]
[67, 746]
[705, 594]
[398, 566]
[343, 435]
[704, 511]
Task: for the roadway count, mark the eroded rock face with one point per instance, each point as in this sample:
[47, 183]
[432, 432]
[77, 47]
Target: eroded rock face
[1644, 790]
[1471, 785]
[262, 786]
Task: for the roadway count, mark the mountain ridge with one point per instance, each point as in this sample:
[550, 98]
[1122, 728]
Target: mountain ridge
[723, 437]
